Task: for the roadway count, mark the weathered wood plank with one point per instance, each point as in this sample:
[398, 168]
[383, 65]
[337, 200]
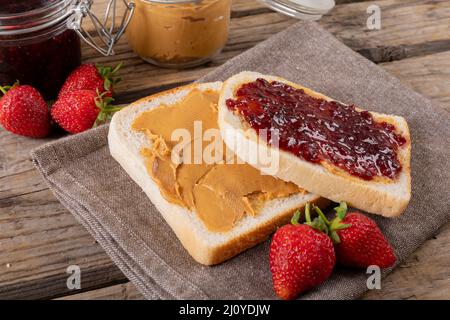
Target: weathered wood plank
[428, 75]
[125, 291]
[408, 28]
[39, 239]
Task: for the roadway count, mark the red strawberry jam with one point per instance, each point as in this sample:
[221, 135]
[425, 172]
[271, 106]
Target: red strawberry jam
[317, 130]
[42, 58]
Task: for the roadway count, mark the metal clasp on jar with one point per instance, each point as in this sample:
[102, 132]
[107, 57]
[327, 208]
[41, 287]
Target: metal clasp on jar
[104, 28]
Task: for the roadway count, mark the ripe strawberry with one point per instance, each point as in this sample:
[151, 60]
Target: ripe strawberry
[23, 111]
[358, 240]
[80, 110]
[301, 257]
[92, 77]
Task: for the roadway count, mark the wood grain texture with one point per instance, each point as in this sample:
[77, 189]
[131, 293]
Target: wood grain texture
[124, 291]
[408, 28]
[39, 238]
[428, 75]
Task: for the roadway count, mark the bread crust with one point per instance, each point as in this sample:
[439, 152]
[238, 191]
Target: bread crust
[205, 247]
[387, 198]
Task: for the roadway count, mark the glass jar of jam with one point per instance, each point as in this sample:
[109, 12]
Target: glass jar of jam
[179, 33]
[40, 41]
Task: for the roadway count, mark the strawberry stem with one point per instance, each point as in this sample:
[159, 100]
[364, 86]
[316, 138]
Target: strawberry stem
[322, 215]
[308, 213]
[295, 217]
[335, 237]
[114, 109]
[341, 211]
[336, 224]
[5, 89]
[322, 223]
[106, 109]
[318, 223]
[108, 74]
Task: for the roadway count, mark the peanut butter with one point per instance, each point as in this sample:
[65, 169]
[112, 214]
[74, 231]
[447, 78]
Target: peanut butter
[220, 193]
[179, 34]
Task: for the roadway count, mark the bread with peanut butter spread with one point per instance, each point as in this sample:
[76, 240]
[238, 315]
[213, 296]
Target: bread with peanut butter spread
[338, 151]
[217, 207]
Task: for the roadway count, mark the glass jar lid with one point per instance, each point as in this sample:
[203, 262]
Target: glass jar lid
[301, 9]
[26, 17]
[19, 6]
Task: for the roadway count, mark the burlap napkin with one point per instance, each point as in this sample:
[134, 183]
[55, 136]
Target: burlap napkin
[116, 212]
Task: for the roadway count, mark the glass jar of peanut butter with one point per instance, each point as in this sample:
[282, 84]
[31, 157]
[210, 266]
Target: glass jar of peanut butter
[179, 33]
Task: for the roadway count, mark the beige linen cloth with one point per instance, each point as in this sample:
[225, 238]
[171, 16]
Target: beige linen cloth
[87, 180]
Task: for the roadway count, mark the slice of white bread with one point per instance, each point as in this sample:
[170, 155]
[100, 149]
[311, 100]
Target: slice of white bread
[204, 246]
[387, 198]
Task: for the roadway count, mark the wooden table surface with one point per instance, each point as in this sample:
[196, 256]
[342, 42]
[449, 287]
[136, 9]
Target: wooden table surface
[39, 238]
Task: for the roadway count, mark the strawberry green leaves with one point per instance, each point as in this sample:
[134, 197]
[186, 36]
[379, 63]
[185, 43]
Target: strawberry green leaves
[108, 74]
[322, 223]
[107, 110]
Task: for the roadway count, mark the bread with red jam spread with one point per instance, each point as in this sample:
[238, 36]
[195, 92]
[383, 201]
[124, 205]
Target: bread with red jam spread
[205, 246]
[338, 151]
